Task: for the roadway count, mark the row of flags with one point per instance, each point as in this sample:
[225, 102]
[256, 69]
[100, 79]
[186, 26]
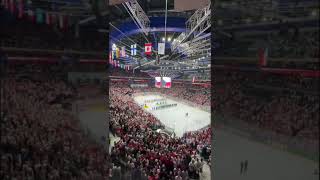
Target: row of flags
[148, 48]
[118, 52]
[117, 63]
[18, 8]
[121, 52]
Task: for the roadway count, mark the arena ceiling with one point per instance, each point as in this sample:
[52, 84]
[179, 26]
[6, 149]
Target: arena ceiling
[191, 57]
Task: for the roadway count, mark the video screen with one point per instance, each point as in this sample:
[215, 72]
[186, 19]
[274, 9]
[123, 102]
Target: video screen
[166, 82]
[158, 82]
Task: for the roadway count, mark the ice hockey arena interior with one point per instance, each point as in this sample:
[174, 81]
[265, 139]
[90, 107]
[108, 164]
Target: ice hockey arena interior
[159, 89]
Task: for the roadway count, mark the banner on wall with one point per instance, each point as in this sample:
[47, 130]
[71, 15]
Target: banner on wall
[39, 16]
[263, 55]
[12, 6]
[5, 4]
[48, 18]
[20, 9]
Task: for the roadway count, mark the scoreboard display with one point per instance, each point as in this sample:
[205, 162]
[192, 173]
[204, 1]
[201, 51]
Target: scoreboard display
[163, 82]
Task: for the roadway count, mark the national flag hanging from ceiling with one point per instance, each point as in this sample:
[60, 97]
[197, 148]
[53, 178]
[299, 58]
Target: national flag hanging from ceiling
[114, 49]
[123, 51]
[117, 52]
[148, 48]
[110, 57]
[133, 49]
[161, 48]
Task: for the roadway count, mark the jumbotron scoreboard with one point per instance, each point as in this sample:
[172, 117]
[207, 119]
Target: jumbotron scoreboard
[163, 82]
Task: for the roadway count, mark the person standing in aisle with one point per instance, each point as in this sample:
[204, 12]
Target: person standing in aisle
[245, 166]
[241, 167]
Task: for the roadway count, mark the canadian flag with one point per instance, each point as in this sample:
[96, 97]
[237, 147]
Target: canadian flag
[148, 48]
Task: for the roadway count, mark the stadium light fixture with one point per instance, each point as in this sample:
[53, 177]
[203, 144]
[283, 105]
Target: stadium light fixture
[169, 39]
[163, 39]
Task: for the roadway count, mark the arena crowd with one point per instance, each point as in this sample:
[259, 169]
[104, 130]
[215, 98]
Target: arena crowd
[40, 137]
[147, 153]
[287, 105]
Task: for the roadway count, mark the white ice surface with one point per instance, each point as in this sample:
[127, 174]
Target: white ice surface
[175, 117]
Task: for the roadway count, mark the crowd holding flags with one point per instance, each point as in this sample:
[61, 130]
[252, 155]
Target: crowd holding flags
[21, 9]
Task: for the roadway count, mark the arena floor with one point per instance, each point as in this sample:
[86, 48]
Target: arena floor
[264, 162]
[175, 117]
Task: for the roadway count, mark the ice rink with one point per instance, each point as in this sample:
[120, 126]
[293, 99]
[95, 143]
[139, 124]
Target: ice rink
[175, 117]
